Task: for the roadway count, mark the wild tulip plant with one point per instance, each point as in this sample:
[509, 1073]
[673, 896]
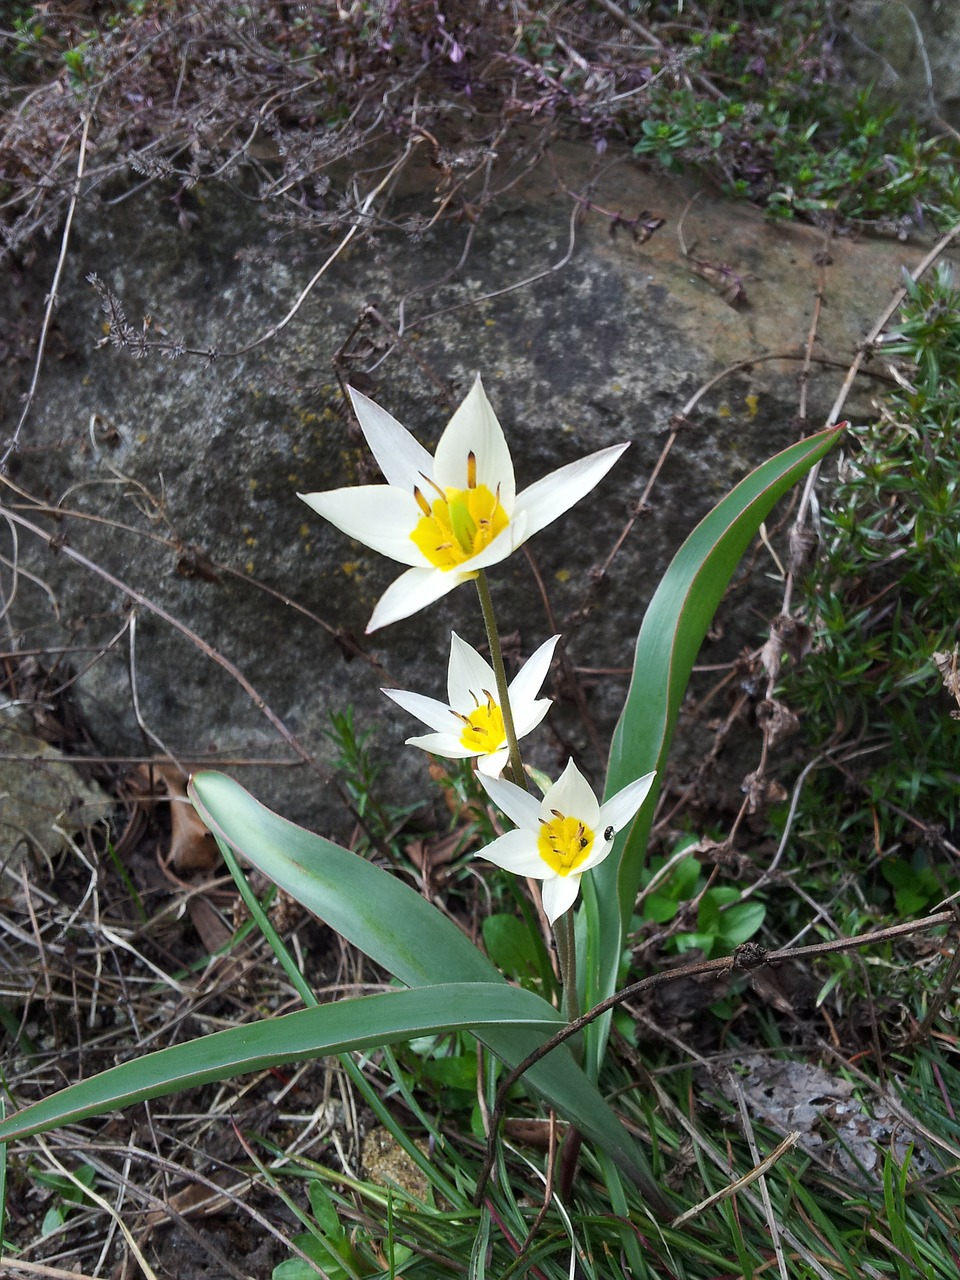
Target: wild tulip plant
[449, 518]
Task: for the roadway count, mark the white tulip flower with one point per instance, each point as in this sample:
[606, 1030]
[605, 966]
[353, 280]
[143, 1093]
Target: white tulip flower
[470, 723]
[561, 836]
[451, 515]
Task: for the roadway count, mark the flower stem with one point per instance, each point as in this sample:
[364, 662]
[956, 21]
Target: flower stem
[567, 955]
[503, 696]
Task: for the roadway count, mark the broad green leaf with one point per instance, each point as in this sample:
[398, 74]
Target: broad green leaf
[509, 945]
[364, 1023]
[738, 924]
[391, 923]
[673, 630]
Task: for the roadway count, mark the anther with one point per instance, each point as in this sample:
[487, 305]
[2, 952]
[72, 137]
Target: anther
[433, 485]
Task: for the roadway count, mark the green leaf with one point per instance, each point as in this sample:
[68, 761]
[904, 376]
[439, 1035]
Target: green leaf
[53, 1220]
[453, 1073]
[673, 630]
[660, 908]
[741, 922]
[367, 1022]
[324, 1211]
[398, 929]
[510, 946]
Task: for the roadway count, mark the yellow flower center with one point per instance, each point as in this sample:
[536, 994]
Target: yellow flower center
[457, 525]
[483, 729]
[564, 843]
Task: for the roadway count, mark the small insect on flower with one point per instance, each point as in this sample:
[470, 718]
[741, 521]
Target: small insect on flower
[471, 723]
[563, 835]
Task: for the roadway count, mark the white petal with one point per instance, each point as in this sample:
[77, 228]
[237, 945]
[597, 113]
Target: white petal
[525, 685]
[474, 429]
[520, 806]
[442, 744]
[556, 493]
[516, 852]
[412, 591]
[502, 546]
[400, 456]
[559, 895]
[527, 717]
[433, 713]
[620, 809]
[572, 796]
[467, 673]
[377, 515]
[600, 849]
[492, 764]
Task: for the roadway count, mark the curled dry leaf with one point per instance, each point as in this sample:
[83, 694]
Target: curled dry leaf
[802, 544]
[790, 638]
[946, 664]
[192, 847]
[776, 720]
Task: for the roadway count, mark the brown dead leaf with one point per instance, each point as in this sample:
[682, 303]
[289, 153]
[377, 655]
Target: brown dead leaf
[721, 277]
[209, 924]
[776, 720]
[835, 1126]
[789, 638]
[192, 847]
[534, 1134]
[946, 664]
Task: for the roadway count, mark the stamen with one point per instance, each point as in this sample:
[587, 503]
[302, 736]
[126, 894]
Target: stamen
[471, 470]
[433, 485]
[422, 503]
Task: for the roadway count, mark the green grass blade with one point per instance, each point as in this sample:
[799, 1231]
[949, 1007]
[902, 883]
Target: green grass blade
[673, 630]
[367, 1022]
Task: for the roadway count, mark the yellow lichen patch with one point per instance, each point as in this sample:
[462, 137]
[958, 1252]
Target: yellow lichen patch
[564, 843]
[304, 531]
[562, 575]
[753, 403]
[724, 411]
[350, 567]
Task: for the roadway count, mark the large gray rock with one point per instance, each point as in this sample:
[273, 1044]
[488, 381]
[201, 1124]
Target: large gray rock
[180, 475]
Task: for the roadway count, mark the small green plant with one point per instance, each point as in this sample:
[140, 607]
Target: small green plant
[672, 887]
[786, 132]
[359, 772]
[67, 1194]
[884, 596]
[333, 1250]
